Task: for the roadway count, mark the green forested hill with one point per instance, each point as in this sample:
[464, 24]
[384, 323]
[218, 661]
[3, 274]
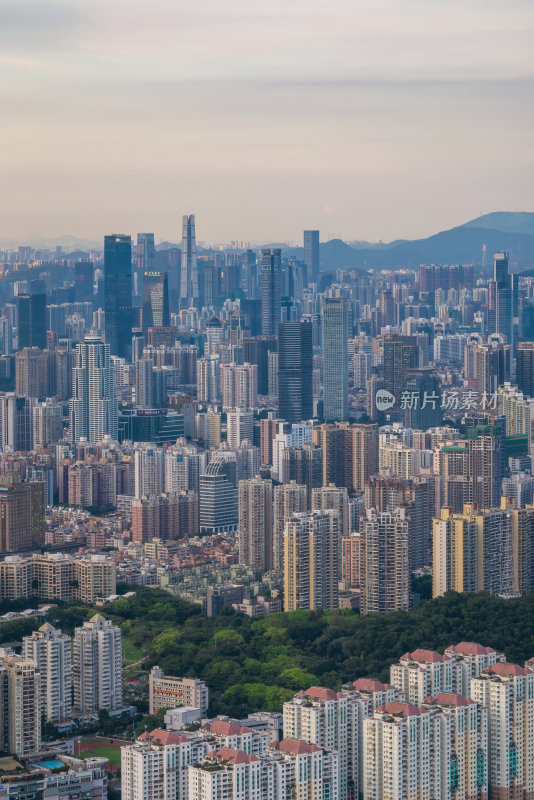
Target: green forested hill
[257, 664]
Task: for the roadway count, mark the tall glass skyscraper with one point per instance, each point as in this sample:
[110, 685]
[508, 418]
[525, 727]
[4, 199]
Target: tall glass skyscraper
[93, 407]
[311, 255]
[118, 294]
[155, 300]
[503, 315]
[145, 253]
[32, 320]
[335, 314]
[189, 274]
[295, 384]
[271, 291]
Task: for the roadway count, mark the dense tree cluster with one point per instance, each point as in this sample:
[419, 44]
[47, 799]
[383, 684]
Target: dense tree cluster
[258, 664]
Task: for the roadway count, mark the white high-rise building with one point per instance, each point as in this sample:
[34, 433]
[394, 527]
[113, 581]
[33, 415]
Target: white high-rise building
[507, 691]
[97, 666]
[93, 407]
[239, 386]
[20, 705]
[51, 651]
[156, 766]
[240, 426]
[422, 674]
[470, 659]
[149, 473]
[208, 380]
[294, 435]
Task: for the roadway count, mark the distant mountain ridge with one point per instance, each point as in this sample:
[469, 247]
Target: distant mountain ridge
[512, 231]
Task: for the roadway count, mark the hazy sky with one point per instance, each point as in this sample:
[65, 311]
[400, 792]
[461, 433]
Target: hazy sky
[365, 118]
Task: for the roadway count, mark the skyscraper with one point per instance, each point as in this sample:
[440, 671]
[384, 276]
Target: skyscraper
[311, 255]
[32, 320]
[97, 666]
[335, 358]
[525, 367]
[288, 499]
[256, 524]
[189, 274]
[271, 291]
[155, 300]
[93, 407]
[83, 281]
[311, 561]
[51, 651]
[385, 561]
[295, 383]
[118, 294]
[21, 514]
[503, 300]
[401, 354]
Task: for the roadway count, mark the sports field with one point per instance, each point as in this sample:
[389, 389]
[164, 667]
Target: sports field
[93, 748]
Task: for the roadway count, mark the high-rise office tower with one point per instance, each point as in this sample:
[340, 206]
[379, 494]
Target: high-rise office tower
[385, 563]
[502, 300]
[364, 453]
[401, 354]
[93, 407]
[21, 514]
[145, 253]
[155, 300]
[83, 281]
[335, 324]
[288, 499]
[311, 255]
[311, 561]
[492, 364]
[249, 274]
[256, 351]
[32, 320]
[21, 705]
[303, 464]
[524, 369]
[51, 651]
[271, 291]
[118, 294]
[218, 494]
[255, 499]
[97, 666]
[16, 421]
[189, 273]
[150, 384]
[423, 409]
[295, 373]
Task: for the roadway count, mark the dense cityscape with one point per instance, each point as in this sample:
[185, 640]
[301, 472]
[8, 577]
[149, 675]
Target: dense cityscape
[212, 458]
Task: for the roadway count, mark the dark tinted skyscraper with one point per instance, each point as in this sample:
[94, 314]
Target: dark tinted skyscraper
[189, 274]
[295, 386]
[256, 351]
[335, 316]
[525, 367]
[118, 294]
[155, 300]
[83, 281]
[311, 255]
[32, 320]
[502, 300]
[401, 355]
[145, 253]
[271, 291]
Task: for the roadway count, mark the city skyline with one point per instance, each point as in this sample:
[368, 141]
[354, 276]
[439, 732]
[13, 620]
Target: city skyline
[320, 117]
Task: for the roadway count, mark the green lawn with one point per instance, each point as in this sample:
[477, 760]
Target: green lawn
[113, 754]
[130, 652]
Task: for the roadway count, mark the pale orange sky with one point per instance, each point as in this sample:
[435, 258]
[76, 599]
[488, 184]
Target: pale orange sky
[365, 118]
